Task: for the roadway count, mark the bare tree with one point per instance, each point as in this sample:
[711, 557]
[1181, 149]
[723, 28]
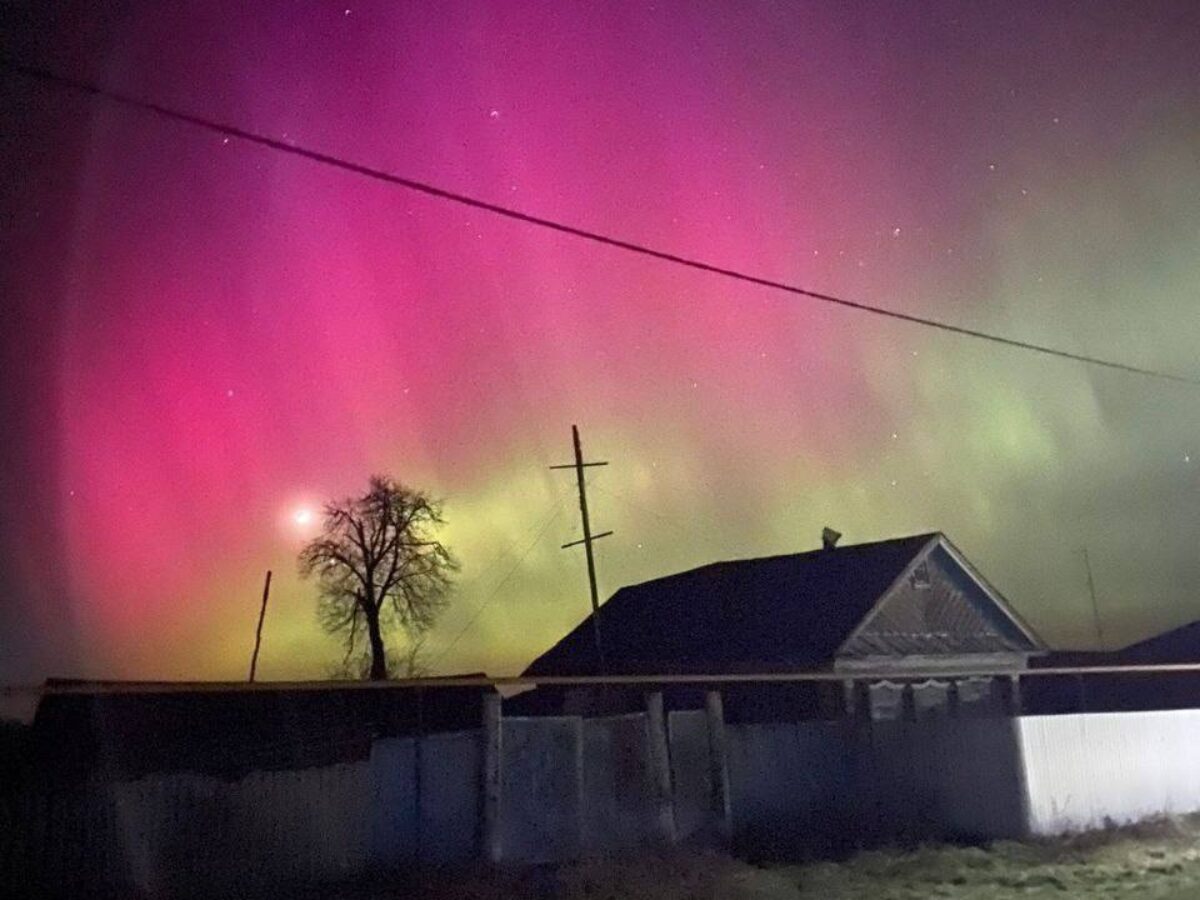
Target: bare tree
[379, 568]
[408, 663]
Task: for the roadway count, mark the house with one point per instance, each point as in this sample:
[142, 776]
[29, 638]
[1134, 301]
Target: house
[891, 608]
[87, 730]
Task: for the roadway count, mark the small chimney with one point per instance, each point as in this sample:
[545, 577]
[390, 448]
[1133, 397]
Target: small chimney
[829, 538]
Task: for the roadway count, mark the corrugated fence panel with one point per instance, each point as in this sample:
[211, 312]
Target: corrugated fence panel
[619, 801]
[541, 818]
[979, 785]
[451, 767]
[893, 790]
[184, 830]
[572, 786]
[393, 816]
[691, 774]
[792, 783]
[944, 778]
[179, 831]
[1083, 770]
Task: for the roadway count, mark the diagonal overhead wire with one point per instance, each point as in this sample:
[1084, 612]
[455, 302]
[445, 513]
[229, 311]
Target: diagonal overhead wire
[431, 190]
[542, 528]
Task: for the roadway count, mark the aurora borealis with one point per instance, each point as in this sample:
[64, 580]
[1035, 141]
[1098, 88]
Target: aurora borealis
[202, 337]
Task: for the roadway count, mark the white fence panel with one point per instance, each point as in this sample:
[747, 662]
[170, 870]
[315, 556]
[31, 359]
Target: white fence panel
[1088, 769]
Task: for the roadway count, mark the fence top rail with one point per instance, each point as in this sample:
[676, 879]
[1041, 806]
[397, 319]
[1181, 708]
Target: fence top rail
[483, 681]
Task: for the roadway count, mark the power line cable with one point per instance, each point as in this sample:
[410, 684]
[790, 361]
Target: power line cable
[593, 236]
[541, 533]
[556, 499]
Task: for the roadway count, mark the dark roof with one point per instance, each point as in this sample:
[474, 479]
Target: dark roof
[230, 732]
[1120, 691]
[729, 616]
[1179, 645]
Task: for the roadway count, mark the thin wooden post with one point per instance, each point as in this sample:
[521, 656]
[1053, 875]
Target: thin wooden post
[262, 614]
[493, 778]
[660, 766]
[718, 754]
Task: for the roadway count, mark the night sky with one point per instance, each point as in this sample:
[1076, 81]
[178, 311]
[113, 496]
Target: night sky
[201, 339]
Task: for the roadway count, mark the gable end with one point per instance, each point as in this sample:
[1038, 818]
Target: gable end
[937, 607]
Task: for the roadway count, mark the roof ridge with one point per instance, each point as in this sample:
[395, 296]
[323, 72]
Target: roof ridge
[923, 537]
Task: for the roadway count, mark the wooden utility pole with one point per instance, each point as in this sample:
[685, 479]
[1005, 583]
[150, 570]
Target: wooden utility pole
[579, 465]
[262, 614]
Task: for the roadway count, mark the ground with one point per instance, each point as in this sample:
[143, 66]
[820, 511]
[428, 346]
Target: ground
[1155, 861]
[1152, 861]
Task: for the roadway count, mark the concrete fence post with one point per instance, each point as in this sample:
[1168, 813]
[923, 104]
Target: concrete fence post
[1014, 695]
[718, 752]
[581, 811]
[660, 766]
[493, 778]
[850, 698]
[953, 700]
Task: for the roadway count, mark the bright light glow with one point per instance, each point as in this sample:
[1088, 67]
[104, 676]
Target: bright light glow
[303, 516]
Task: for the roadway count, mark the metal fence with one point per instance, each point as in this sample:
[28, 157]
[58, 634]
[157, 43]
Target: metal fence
[525, 789]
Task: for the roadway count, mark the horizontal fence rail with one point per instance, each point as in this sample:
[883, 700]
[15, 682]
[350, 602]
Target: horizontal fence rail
[166, 687]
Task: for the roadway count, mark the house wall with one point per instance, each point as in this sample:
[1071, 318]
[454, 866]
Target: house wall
[933, 698]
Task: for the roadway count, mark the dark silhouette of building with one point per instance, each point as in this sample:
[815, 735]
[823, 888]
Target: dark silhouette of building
[897, 607]
[1121, 691]
[92, 732]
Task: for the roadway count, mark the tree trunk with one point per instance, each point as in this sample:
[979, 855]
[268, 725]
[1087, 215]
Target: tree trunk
[379, 670]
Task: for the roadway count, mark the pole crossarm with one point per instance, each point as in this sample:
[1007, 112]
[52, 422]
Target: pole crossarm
[594, 537]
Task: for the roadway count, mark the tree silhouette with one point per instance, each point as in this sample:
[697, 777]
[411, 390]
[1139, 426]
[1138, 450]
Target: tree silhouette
[379, 568]
[407, 663]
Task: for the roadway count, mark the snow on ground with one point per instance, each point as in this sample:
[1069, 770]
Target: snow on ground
[1150, 861]
[1156, 861]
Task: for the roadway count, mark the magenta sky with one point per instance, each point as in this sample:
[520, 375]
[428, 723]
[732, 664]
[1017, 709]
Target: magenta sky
[202, 336]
